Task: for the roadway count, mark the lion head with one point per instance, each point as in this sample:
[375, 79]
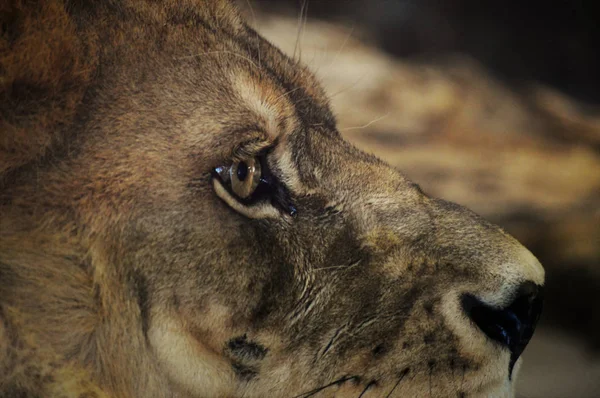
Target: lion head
[181, 218]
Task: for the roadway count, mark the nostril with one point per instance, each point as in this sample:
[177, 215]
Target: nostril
[511, 326]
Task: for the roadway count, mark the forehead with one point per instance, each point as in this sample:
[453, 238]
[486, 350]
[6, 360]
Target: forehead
[262, 79]
[209, 82]
[266, 90]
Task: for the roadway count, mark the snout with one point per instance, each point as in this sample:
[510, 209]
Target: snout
[511, 326]
[501, 288]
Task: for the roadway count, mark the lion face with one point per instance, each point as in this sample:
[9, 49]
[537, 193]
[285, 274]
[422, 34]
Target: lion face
[247, 248]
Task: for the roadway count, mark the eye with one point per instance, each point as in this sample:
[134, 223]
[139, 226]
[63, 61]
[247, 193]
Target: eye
[244, 177]
[248, 186]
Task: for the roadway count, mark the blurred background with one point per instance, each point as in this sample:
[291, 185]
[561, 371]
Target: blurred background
[494, 105]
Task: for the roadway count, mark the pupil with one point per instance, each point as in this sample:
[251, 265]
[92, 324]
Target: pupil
[242, 171]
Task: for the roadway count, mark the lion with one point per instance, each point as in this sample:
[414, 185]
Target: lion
[180, 217]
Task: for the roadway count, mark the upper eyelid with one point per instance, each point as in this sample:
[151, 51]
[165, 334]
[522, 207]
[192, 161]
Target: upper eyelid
[250, 148]
[253, 147]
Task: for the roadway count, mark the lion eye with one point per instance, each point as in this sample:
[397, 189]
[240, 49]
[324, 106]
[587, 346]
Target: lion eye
[244, 177]
[249, 184]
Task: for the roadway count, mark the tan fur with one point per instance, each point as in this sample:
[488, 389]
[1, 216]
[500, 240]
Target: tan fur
[129, 269]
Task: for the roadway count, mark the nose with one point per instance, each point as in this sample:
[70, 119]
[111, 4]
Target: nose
[511, 326]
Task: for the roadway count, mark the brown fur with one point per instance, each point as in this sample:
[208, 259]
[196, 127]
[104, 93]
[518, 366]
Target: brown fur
[46, 66]
[127, 270]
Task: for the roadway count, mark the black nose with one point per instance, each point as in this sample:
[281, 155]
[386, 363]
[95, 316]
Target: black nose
[511, 326]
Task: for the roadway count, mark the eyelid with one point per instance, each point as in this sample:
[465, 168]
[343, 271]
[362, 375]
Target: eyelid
[257, 211]
[252, 148]
[271, 184]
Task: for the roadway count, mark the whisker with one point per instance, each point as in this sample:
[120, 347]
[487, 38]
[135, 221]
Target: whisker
[337, 54]
[430, 382]
[349, 87]
[431, 365]
[345, 267]
[371, 384]
[317, 69]
[299, 30]
[255, 27]
[287, 93]
[368, 124]
[402, 375]
[317, 390]
[301, 26]
[221, 52]
[327, 347]
[303, 31]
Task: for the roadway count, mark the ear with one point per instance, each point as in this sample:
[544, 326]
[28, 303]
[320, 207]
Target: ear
[45, 68]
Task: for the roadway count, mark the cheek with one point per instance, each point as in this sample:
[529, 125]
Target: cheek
[192, 363]
[229, 266]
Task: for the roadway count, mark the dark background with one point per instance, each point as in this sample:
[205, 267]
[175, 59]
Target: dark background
[554, 42]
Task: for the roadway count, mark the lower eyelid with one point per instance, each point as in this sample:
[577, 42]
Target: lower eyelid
[257, 211]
